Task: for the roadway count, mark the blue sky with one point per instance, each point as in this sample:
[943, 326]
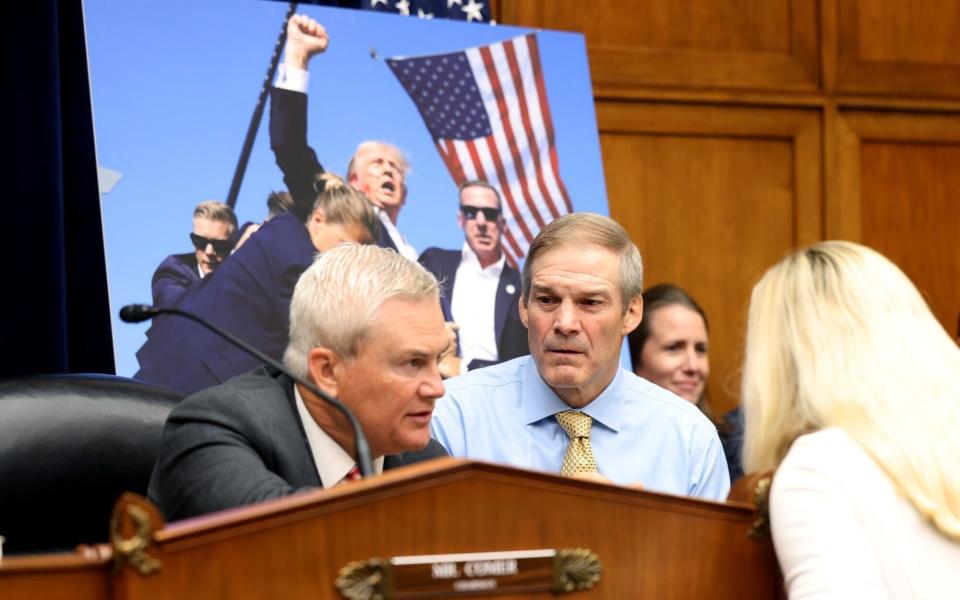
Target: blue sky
[174, 85]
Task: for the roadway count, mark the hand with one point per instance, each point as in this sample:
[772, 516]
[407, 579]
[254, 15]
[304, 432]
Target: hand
[597, 477]
[305, 38]
[450, 363]
[250, 230]
[592, 476]
[452, 329]
[450, 366]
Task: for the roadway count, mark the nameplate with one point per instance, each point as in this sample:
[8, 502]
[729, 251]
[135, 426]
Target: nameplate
[453, 575]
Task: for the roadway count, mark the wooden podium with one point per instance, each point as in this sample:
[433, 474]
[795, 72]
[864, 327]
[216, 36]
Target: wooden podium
[619, 543]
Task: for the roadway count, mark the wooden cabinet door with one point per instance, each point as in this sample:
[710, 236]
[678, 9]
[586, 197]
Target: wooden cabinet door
[713, 196]
[895, 186]
[744, 44]
[893, 47]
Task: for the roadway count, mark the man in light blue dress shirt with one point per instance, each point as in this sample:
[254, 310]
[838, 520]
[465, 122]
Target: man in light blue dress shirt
[581, 294]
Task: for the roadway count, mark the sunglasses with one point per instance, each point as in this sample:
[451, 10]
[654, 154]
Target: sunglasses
[470, 212]
[220, 247]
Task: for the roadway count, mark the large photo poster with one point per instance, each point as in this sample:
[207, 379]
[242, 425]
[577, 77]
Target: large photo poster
[174, 86]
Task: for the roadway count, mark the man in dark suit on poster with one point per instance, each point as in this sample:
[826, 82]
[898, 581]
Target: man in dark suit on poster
[366, 328]
[480, 290]
[249, 294]
[214, 226]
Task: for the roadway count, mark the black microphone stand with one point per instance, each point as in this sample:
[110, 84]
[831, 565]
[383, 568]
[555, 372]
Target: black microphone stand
[134, 313]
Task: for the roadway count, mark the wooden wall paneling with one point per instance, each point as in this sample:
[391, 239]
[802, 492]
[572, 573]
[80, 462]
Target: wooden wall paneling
[701, 44]
[713, 195]
[841, 170]
[897, 192]
[828, 45]
[896, 48]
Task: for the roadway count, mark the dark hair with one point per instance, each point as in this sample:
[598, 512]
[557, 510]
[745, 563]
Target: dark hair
[655, 298]
[279, 203]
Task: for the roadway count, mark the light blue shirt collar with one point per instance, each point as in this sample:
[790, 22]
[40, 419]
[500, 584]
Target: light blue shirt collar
[540, 402]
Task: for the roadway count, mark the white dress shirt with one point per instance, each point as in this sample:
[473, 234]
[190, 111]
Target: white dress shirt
[298, 80]
[405, 249]
[332, 462]
[292, 78]
[473, 305]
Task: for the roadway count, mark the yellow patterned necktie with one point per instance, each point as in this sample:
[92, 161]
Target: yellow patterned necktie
[579, 456]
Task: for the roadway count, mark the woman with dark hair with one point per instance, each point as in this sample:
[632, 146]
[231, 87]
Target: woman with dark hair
[670, 348]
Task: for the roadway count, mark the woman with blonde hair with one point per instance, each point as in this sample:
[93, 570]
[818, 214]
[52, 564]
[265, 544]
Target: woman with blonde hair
[850, 393]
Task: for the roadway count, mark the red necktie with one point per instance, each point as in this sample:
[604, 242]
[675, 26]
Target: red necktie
[353, 474]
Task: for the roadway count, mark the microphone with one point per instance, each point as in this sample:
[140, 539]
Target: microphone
[136, 313]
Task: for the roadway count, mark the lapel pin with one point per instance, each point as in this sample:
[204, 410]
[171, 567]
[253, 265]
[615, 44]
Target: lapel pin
[510, 289]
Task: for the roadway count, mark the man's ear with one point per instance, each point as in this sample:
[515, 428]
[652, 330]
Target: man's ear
[318, 216]
[523, 311]
[460, 220]
[323, 365]
[634, 315]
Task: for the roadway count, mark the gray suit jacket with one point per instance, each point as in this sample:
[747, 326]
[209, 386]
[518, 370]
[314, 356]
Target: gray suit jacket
[240, 443]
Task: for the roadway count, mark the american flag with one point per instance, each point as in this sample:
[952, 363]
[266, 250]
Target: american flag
[458, 10]
[487, 111]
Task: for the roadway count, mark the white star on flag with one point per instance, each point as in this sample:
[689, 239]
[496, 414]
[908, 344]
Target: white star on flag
[472, 10]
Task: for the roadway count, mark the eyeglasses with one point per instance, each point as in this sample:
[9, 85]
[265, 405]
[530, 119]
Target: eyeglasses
[220, 247]
[470, 212]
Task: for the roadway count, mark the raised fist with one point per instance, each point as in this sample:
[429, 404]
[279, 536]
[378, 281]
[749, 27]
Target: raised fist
[305, 38]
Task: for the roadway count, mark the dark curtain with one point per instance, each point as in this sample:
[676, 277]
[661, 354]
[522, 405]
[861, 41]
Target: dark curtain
[55, 313]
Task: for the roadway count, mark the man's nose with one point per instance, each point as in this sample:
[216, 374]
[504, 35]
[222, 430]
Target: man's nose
[208, 249]
[481, 218]
[432, 387]
[567, 320]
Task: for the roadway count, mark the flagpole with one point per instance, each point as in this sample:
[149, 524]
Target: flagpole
[258, 112]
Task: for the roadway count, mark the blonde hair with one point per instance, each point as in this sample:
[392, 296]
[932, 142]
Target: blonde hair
[337, 298]
[367, 146]
[343, 204]
[837, 336]
[214, 210]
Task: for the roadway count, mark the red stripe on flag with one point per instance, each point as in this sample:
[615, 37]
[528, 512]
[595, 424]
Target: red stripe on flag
[511, 259]
[511, 54]
[508, 130]
[482, 175]
[501, 174]
[450, 158]
[547, 121]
